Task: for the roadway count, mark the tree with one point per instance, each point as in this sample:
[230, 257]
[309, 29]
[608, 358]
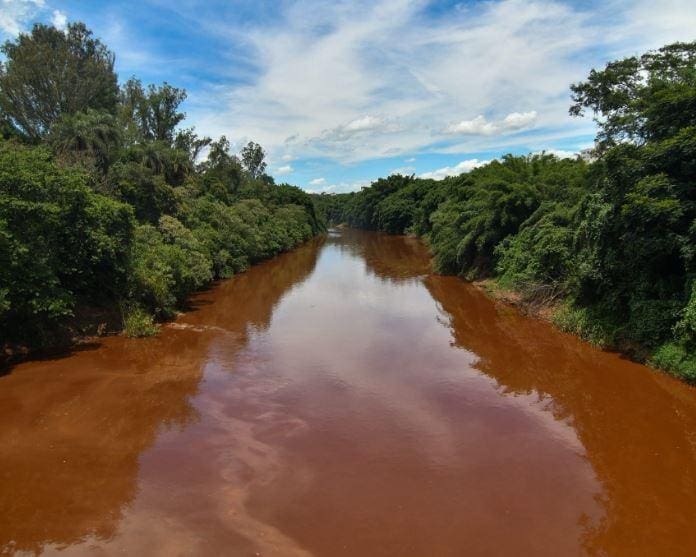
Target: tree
[221, 171]
[93, 137]
[253, 156]
[171, 163]
[60, 242]
[641, 99]
[153, 113]
[187, 140]
[50, 73]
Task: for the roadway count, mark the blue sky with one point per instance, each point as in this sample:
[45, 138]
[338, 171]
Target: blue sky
[340, 93]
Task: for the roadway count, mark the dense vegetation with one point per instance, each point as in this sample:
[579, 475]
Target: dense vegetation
[107, 201]
[612, 240]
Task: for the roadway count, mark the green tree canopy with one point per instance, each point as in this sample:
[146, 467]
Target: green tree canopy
[49, 73]
[641, 98]
[91, 138]
[153, 112]
[253, 159]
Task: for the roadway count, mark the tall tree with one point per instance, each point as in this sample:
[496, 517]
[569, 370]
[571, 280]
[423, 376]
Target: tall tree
[49, 73]
[154, 111]
[187, 140]
[253, 159]
[641, 99]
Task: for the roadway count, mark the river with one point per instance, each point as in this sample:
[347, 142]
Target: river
[340, 400]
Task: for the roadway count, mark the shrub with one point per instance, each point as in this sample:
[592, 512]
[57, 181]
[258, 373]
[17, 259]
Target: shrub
[675, 359]
[587, 323]
[60, 242]
[138, 323]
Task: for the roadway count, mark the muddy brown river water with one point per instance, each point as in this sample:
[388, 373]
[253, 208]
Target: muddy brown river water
[340, 400]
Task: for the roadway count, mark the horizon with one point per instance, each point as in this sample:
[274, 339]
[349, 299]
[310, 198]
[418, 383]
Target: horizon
[341, 95]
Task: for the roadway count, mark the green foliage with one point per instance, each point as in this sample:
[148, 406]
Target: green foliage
[147, 192]
[540, 254]
[504, 197]
[641, 99]
[50, 73]
[167, 263]
[685, 329]
[151, 114]
[188, 141]
[253, 159]
[59, 241]
[588, 323]
[615, 239]
[89, 138]
[138, 323]
[677, 360]
[111, 204]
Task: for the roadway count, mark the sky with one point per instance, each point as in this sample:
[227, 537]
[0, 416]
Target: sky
[341, 93]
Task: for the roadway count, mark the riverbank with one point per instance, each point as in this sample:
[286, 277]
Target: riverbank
[558, 312]
[337, 399]
[89, 324]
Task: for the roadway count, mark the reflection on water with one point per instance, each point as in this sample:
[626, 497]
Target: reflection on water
[342, 400]
[637, 427]
[75, 431]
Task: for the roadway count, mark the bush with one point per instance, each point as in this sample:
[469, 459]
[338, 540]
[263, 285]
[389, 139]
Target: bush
[167, 263]
[138, 323]
[675, 359]
[60, 242]
[540, 254]
[587, 323]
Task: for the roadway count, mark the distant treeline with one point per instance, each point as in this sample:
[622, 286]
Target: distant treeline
[107, 201]
[612, 242]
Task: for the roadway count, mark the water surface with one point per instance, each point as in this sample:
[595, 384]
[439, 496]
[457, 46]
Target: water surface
[340, 400]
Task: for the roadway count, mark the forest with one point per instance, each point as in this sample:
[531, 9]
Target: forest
[108, 203]
[608, 240]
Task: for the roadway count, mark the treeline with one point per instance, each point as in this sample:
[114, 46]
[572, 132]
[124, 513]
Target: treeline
[612, 241]
[107, 201]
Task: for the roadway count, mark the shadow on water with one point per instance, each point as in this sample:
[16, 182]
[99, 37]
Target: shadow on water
[49, 355]
[73, 426]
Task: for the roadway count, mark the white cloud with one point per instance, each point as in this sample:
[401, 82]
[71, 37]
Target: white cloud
[287, 158]
[374, 94]
[15, 14]
[363, 124]
[480, 126]
[341, 187]
[357, 130]
[477, 126]
[59, 20]
[283, 170]
[461, 168]
[519, 120]
[560, 153]
[341, 80]
[650, 24]
[317, 182]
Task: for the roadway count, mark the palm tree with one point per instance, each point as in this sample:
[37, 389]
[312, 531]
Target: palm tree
[91, 135]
